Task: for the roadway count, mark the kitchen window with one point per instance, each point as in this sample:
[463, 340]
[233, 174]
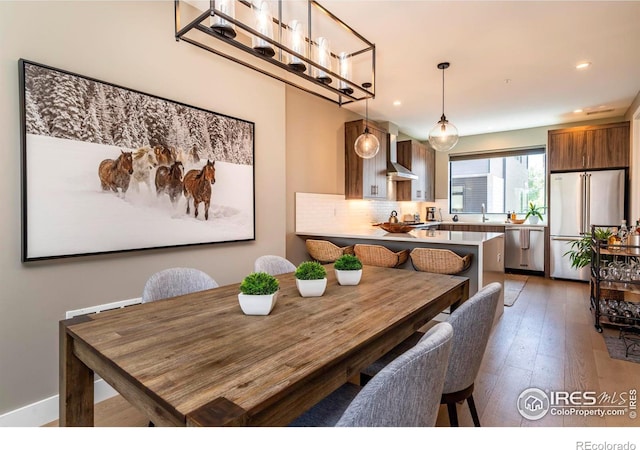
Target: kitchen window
[502, 181]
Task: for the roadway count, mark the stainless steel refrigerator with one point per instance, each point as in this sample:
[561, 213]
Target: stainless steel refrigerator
[578, 200]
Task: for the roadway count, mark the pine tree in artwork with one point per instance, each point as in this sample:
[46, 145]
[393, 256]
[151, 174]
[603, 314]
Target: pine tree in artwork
[156, 116]
[120, 130]
[62, 105]
[103, 112]
[35, 124]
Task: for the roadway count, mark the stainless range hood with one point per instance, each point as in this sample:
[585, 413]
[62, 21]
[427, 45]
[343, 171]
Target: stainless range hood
[395, 171]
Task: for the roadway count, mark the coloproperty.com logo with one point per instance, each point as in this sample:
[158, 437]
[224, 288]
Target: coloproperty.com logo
[534, 403]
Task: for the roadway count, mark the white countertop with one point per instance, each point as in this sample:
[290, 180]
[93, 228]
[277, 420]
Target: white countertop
[418, 235]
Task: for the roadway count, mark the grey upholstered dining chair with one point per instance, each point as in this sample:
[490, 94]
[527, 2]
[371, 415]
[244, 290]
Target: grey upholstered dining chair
[173, 282]
[406, 393]
[472, 323]
[176, 281]
[274, 265]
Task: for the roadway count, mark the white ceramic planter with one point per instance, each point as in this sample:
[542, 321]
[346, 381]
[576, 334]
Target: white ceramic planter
[533, 220]
[257, 305]
[311, 288]
[348, 277]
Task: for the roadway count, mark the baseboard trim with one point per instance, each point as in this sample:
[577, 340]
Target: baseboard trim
[46, 411]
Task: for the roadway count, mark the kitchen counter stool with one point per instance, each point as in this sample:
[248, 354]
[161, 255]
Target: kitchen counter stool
[378, 255]
[326, 252]
[439, 261]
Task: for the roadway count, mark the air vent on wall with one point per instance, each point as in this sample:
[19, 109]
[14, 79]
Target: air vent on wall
[600, 111]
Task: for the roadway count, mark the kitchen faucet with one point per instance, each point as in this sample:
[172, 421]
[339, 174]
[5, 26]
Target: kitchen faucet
[484, 219]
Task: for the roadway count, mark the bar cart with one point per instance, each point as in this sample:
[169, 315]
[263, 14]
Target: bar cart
[615, 270]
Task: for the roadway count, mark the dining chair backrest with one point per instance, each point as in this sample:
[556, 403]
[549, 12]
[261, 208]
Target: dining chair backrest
[472, 323]
[406, 393]
[274, 265]
[176, 281]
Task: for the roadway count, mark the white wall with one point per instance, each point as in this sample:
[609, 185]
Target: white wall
[315, 155]
[131, 44]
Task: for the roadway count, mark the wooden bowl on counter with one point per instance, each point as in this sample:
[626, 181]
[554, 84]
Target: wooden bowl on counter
[517, 221]
[395, 227]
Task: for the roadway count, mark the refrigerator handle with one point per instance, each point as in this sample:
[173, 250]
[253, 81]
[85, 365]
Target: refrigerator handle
[582, 186]
[587, 203]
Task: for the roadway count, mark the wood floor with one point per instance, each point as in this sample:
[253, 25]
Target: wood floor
[545, 340]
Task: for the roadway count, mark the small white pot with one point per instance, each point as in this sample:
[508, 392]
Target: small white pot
[257, 305]
[348, 277]
[311, 288]
[533, 220]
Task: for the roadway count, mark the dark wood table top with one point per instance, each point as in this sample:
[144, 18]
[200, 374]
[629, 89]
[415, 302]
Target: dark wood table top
[198, 360]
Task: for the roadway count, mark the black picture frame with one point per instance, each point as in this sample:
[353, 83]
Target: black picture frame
[80, 137]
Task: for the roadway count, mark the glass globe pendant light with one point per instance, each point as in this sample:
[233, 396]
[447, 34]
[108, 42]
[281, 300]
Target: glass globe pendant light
[444, 135]
[367, 145]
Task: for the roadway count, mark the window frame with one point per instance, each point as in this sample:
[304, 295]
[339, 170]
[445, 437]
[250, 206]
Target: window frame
[504, 153]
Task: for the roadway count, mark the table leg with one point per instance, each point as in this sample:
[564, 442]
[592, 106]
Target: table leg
[463, 296]
[76, 382]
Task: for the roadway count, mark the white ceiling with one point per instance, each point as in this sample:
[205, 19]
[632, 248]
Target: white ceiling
[533, 44]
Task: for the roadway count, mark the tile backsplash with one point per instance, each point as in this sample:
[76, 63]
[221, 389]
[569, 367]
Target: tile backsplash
[321, 211]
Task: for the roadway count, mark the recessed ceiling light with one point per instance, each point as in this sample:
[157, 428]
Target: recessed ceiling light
[583, 65]
[397, 103]
[577, 111]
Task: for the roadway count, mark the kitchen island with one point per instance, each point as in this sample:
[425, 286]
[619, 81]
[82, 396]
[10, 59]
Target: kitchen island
[487, 263]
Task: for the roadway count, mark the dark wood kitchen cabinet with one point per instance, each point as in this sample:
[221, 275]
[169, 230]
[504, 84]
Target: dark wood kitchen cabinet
[419, 159]
[466, 227]
[589, 147]
[365, 178]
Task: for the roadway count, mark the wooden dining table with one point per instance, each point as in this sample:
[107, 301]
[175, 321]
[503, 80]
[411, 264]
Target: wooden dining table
[197, 360]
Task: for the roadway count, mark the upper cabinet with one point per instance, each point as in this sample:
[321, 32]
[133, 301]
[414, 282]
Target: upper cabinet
[365, 178]
[419, 159]
[590, 147]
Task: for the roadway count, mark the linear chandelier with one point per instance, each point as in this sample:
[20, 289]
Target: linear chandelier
[298, 42]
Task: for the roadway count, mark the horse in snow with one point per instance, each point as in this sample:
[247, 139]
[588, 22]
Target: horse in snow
[163, 156]
[179, 155]
[144, 161]
[116, 174]
[169, 181]
[197, 186]
[194, 157]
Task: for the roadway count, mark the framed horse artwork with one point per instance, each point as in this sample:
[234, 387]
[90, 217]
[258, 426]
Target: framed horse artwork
[108, 169]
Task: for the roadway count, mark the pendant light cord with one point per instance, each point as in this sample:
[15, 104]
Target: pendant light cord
[366, 115]
[366, 106]
[443, 91]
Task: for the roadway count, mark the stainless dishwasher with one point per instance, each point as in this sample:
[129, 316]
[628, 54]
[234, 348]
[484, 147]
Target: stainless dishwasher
[524, 248]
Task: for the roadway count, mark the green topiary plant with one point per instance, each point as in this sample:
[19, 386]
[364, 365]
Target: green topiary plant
[259, 283]
[310, 270]
[347, 262]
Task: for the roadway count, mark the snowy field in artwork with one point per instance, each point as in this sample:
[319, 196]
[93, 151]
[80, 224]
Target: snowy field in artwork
[69, 214]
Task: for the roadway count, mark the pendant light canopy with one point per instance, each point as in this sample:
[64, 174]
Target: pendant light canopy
[444, 135]
[367, 145]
